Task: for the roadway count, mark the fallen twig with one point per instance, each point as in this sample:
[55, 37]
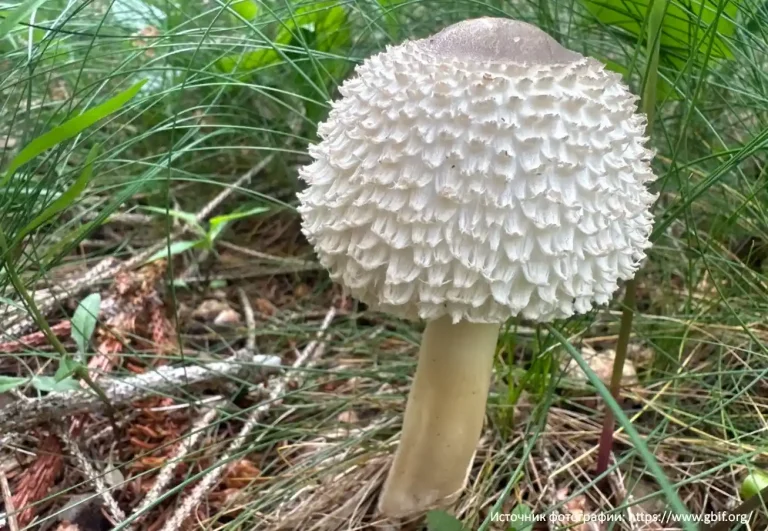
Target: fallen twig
[214, 203]
[166, 474]
[623, 497]
[18, 322]
[94, 477]
[250, 322]
[275, 390]
[10, 509]
[22, 415]
[267, 257]
[36, 339]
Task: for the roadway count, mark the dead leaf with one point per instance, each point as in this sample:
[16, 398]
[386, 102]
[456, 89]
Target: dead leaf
[301, 291]
[242, 474]
[348, 417]
[264, 307]
[641, 355]
[209, 309]
[602, 364]
[577, 511]
[228, 317]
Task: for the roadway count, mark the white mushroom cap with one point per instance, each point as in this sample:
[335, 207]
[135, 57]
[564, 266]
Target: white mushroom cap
[483, 173]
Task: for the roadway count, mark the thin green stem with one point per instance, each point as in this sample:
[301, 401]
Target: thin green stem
[81, 371]
[655, 19]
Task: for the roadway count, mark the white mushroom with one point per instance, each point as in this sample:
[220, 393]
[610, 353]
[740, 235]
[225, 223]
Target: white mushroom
[480, 174]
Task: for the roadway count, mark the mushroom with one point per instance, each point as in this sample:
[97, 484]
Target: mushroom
[477, 175]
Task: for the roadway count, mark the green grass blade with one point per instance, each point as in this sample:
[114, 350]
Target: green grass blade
[655, 25]
[69, 129]
[17, 15]
[65, 199]
[186, 217]
[173, 249]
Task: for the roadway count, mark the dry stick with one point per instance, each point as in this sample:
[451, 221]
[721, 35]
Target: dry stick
[275, 390]
[10, 510]
[267, 257]
[208, 209]
[22, 415]
[617, 480]
[250, 321]
[212, 205]
[166, 474]
[550, 492]
[168, 471]
[36, 339]
[46, 299]
[94, 477]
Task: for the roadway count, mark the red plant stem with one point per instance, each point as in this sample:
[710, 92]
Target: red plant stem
[606, 437]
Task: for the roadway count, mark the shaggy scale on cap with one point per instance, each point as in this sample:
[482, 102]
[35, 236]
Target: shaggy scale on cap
[482, 173]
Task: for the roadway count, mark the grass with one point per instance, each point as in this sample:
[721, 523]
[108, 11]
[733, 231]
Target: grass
[226, 91]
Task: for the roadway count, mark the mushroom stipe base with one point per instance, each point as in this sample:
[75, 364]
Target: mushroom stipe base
[443, 417]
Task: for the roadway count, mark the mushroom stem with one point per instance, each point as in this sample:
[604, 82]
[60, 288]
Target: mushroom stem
[443, 417]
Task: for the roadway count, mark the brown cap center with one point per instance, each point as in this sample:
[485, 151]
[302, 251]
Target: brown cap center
[498, 40]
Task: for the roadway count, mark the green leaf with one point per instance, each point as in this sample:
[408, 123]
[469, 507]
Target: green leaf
[324, 21]
[756, 481]
[67, 367]
[442, 521]
[664, 90]
[219, 223]
[521, 518]
[226, 218]
[180, 283]
[65, 199]
[249, 60]
[175, 248]
[685, 31]
[8, 383]
[84, 321]
[218, 283]
[15, 16]
[49, 384]
[247, 9]
[188, 218]
[69, 129]
[618, 68]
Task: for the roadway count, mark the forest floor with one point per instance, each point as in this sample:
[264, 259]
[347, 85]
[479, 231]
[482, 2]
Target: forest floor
[247, 390]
